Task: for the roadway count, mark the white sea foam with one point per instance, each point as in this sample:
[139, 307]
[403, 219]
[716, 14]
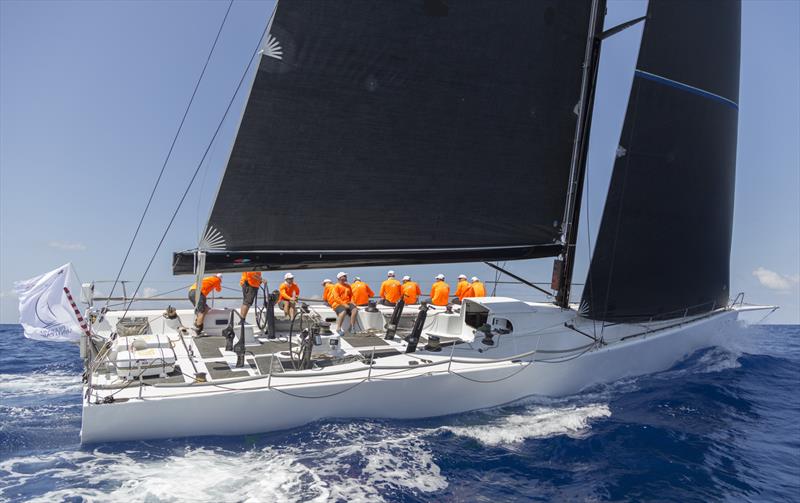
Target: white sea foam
[39, 384]
[536, 422]
[353, 462]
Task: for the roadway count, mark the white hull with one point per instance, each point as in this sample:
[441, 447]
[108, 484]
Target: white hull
[262, 404]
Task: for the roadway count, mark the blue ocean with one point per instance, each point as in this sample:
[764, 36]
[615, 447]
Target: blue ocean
[722, 425]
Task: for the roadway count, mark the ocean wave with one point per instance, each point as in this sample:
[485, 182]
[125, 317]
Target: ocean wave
[536, 422]
[352, 462]
[16, 385]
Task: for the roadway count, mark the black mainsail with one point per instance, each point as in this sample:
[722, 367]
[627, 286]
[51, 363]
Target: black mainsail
[663, 247]
[403, 132]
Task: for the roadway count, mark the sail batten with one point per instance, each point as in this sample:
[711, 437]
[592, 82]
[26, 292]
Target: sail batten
[398, 126]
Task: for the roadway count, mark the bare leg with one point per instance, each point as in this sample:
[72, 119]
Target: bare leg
[353, 319]
[200, 318]
[340, 320]
[244, 309]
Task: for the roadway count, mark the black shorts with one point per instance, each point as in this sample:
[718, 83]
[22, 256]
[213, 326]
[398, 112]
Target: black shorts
[348, 308]
[249, 293]
[385, 302]
[202, 305]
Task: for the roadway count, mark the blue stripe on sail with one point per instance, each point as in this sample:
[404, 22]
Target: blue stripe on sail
[685, 87]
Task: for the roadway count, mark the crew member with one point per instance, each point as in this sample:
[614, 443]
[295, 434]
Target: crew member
[391, 290]
[250, 282]
[411, 290]
[335, 303]
[440, 291]
[345, 293]
[463, 289]
[201, 307]
[478, 287]
[361, 292]
[288, 294]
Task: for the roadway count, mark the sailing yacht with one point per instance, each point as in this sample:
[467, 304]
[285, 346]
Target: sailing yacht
[438, 98]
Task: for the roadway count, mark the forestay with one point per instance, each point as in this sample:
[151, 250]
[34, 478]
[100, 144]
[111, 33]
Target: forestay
[403, 132]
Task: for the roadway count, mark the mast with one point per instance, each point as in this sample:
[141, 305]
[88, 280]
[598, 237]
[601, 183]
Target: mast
[563, 267]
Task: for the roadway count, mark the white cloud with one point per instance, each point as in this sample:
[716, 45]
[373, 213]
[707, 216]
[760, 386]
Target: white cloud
[149, 292]
[775, 281]
[67, 245]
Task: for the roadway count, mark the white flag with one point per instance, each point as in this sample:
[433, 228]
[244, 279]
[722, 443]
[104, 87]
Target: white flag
[44, 311]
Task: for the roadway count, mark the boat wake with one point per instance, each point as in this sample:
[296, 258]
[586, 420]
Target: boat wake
[56, 383]
[536, 422]
[336, 462]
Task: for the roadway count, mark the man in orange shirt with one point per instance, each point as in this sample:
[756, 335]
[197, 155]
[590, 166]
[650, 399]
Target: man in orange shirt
[463, 289]
[440, 291]
[391, 290]
[288, 295]
[250, 282]
[361, 292]
[478, 287]
[335, 303]
[201, 306]
[345, 294]
[411, 291]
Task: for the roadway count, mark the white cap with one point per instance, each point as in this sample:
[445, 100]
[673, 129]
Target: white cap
[474, 279]
[341, 274]
[406, 278]
[326, 280]
[440, 276]
[288, 275]
[390, 273]
[462, 276]
[219, 275]
[357, 278]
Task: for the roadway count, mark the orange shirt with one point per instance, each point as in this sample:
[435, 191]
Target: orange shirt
[287, 291]
[478, 289]
[391, 290]
[440, 293]
[209, 283]
[411, 292]
[361, 293]
[344, 292]
[331, 297]
[252, 278]
[464, 290]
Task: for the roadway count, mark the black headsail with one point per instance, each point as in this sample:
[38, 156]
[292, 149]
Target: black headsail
[663, 247]
[404, 131]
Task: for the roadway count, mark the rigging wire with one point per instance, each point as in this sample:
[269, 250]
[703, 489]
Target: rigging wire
[169, 152]
[199, 165]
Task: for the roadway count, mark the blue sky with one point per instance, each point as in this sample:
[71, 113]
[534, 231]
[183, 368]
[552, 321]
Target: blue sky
[92, 92]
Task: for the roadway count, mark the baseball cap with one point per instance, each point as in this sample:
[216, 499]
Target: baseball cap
[440, 276]
[460, 276]
[474, 278]
[326, 280]
[390, 273]
[341, 274]
[406, 278]
[288, 275]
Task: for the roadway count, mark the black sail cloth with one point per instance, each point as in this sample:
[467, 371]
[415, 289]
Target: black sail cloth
[403, 132]
[663, 247]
